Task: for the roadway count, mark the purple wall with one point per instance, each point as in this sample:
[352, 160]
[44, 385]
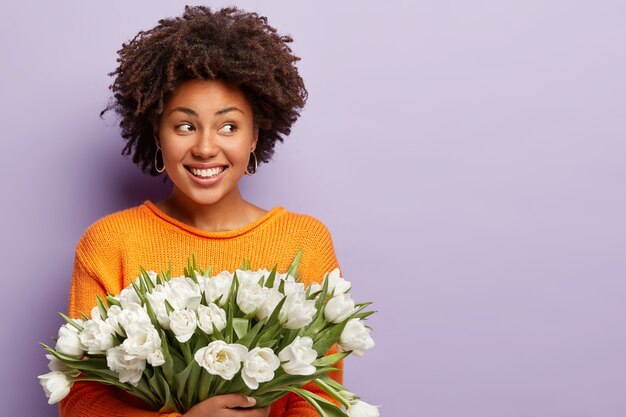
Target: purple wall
[469, 159]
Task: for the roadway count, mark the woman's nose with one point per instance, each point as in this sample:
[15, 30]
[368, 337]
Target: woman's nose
[205, 146]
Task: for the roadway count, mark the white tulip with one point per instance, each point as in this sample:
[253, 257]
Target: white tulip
[157, 298]
[336, 283]
[220, 358]
[314, 287]
[362, 409]
[293, 287]
[128, 367]
[95, 313]
[183, 323]
[250, 296]
[184, 293]
[355, 337]
[299, 356]
[97, 336]
[259, 366]
[272, 298]
[68, 342]
[56, 365]
[56, 386]
[128, 296]
[156, 358]
[297, 311]
[246, 276]
[122, 318]
[339, 308]
[142, 341]
[210, 315]
[218, 286]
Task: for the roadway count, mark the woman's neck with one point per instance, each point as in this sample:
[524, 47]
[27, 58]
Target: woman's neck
[229, 213]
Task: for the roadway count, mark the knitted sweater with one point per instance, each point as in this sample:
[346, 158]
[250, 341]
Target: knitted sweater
[111, 251]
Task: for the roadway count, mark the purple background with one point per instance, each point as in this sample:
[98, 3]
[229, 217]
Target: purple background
[468, 158]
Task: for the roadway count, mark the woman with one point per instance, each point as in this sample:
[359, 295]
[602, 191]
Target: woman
[203, 98]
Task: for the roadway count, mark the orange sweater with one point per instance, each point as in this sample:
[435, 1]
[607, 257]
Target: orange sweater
[111, 250]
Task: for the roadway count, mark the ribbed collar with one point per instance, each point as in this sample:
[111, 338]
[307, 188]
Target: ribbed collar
[249, 228]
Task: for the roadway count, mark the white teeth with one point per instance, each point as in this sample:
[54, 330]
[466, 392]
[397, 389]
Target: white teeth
[206, 173]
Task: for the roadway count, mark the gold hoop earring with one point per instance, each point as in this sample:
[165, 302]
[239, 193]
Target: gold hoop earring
[156, 154]
[255, 166]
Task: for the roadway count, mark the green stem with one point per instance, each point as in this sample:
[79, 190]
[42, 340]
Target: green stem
[332, 392]
[186, 352]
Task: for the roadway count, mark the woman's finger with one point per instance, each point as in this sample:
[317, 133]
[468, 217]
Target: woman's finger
[236, 400]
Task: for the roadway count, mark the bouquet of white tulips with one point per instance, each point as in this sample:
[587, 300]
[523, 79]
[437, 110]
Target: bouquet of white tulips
[176, 341]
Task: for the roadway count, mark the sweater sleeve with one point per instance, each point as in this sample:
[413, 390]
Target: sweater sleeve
[92, 399]
[323, 260]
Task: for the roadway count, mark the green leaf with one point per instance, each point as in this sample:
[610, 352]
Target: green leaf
[168, 366]
[363, 315]
[76, 363]
[112, 301]
[140, 292]
[268, 399]
[204, 385]
[293, 268]
[248, 338]
[207, 273]
[240, 326]
[231, 304]
[272, 276]
[316, 325]
[273, 318]
[267, 343]
[327, 338]
[292, 380]
[170, 405]
[186, 349]
[72, 322]
[217, 335]
[336, 385]
[192, 384]
[181, 378]
[149, 285]
[288, 338]
[332, 391]
[330, 359]
[321, 404]
[168, 307]
[101, 308]
[309, 398]
[168, 274]
[237, 385]
[143, 386]
[155, 385]
[151, 313]
[202, 340]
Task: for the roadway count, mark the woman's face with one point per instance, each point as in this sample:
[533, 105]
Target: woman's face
[206, 133]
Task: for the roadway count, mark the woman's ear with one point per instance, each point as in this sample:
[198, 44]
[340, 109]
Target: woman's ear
[155, 132]
[255, 138]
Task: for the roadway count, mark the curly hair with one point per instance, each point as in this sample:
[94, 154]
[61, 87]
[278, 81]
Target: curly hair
[232, 45]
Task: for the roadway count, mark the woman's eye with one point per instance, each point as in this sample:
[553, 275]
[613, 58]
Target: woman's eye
[184, 127]
[229, 128]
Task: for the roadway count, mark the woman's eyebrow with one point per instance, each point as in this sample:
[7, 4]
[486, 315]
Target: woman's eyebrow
[192, 112]
[185, 110]
[228, 109]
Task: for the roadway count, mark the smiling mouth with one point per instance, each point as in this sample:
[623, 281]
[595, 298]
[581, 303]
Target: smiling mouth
[206, 173]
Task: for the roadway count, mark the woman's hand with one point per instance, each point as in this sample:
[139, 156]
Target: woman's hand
[227, 406]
